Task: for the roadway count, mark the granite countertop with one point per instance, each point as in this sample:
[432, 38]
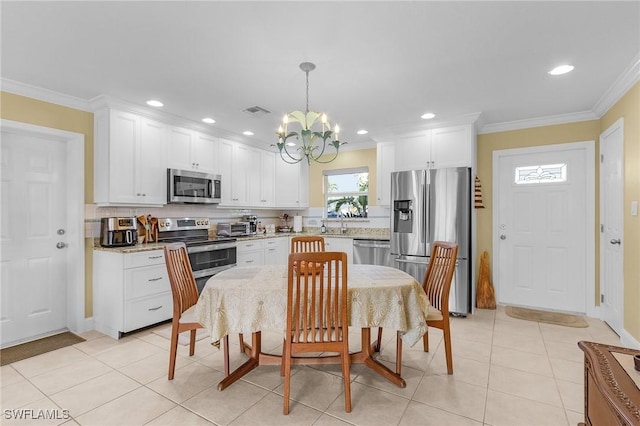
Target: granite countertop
[354, 233]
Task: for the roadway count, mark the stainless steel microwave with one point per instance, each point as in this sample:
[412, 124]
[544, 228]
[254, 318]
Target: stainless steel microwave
[186, 186]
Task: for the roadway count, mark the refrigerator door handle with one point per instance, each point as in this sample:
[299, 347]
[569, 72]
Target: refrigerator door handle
[422, 202]
[411, 261]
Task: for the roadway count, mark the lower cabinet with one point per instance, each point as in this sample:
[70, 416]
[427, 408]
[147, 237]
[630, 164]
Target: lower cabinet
[250, 253]
[130, 291]
[268, 251]
[340, 244]
[276, 251]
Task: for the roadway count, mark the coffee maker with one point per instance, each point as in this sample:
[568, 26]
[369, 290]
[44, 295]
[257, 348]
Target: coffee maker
[118, 232]
[253, 223]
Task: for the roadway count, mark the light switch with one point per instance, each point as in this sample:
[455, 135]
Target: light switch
[634, 208]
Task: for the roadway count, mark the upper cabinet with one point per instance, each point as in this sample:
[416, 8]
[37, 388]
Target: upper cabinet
[436, 148]
[292, 184]
[248, 176]
[453, 146]
[192, 150]
[262, 175]
[129, 159]
[385, 165]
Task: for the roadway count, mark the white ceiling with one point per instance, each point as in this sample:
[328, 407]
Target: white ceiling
[380, 65]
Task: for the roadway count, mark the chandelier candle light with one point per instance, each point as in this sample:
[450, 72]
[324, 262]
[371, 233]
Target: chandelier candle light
[311, 149]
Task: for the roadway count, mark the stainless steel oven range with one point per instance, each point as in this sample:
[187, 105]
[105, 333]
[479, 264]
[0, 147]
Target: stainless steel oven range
[208, 256]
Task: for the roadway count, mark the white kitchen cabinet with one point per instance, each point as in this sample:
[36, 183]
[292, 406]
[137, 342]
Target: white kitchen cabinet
[234, 168]
[130, 291]
[453, 146]
[250, 253]
[261, 178]
[267, 179]
[292, 184]
[276, 251]
[340, 244]
[130, 159]
[192, 150]
[436, 148]
[385, 165]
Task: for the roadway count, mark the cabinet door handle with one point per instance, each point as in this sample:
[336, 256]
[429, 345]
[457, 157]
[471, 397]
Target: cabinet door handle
[155, 257]
[156, 308]
[250, 261]
[154, 279]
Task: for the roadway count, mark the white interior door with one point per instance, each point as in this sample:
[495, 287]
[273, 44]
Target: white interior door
[611, 219]
[33, 237]
[543, 233]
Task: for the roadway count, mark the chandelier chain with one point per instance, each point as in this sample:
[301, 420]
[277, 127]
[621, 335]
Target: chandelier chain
[307, 73]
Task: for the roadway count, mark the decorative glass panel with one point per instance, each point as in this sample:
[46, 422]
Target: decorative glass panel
[546, 173]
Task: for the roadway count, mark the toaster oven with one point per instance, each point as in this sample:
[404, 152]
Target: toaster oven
[236, 229]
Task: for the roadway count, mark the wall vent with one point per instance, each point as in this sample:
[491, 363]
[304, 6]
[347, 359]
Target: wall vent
[256, 111]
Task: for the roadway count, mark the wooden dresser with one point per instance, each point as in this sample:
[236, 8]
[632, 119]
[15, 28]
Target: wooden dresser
[611, 396]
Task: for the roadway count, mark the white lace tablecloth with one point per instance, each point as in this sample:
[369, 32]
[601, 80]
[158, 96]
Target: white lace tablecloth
[253, 298]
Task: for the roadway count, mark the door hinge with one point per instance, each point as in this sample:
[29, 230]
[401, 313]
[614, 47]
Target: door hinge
[601, 228]
[602, 298]
[602, 158]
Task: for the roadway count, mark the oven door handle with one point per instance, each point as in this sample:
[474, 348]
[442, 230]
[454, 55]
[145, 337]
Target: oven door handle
[211, 271]
[211, 247]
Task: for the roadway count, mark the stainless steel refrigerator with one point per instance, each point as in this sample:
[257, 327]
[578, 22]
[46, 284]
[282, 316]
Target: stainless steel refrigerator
[433, 205]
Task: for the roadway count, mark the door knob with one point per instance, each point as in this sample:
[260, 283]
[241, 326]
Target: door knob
[503, 237]
[61, 245]
[614, 241]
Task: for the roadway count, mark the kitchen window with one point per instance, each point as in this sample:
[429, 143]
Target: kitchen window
[346, 192]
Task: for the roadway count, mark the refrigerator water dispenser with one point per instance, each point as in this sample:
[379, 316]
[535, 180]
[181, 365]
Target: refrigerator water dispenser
[403, 216]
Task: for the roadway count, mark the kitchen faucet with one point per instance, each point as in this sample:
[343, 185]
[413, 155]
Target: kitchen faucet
[343, 226]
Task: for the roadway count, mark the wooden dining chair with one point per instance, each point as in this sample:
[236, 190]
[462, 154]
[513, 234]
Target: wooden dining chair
[307, 244]
[437, 285]
[185, 296]
[317, 318]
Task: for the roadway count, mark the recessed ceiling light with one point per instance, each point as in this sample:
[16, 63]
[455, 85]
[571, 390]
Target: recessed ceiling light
[428, 115]
[154, 103]
[362, 132]
[209, 120]
[247, 133]
[562, 69]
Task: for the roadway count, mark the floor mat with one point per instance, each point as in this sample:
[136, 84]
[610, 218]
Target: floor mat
[557, 318]
[38, 347]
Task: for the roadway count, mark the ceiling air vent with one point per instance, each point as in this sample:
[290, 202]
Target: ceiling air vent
[257, 111]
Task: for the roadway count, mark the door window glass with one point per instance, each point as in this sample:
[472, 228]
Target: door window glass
[546, 173]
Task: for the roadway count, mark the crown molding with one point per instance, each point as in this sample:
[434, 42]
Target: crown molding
[548, 120]
[46, 95]
[410, 129]
[621, 86]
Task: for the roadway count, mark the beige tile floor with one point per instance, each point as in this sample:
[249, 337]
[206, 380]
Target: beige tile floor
[506, 372]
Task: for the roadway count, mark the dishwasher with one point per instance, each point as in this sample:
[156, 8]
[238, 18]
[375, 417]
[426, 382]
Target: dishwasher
[372, 252]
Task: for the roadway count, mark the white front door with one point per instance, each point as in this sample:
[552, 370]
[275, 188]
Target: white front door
[543, 227]
[611, 218]
[34, 218]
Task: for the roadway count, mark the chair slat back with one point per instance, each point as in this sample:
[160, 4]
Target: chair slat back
[317, 298]
[307, 244]
[437, 280]
[183, 284]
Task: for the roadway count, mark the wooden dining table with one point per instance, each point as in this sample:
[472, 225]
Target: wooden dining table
[251, 299]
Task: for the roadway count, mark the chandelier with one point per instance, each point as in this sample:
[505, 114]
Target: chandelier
[312, 142]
